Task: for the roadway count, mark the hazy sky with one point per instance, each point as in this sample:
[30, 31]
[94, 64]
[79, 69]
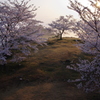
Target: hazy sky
[49, 10]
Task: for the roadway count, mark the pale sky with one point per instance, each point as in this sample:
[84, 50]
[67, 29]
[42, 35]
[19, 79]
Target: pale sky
[49, 10]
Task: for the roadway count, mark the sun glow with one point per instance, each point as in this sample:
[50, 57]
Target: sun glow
[98, 4]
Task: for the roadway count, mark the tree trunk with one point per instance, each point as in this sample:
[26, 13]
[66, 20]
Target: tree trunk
[61, 33]
[60, 36]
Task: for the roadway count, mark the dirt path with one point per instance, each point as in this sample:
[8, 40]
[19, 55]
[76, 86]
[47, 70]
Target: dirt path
[44, 91]
[44, 75]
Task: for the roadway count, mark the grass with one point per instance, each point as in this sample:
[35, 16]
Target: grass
[43, 75]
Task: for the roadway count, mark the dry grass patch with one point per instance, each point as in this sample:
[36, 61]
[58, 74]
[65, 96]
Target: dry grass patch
[45, 91]
[43, 75]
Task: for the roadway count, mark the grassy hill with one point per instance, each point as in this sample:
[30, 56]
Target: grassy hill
[43, 75]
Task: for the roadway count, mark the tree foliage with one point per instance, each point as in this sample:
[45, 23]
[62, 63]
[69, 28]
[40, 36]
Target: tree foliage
[62, 24]
[88, 30]
[17, 29]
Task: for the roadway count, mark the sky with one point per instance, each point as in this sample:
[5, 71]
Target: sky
[49, 10]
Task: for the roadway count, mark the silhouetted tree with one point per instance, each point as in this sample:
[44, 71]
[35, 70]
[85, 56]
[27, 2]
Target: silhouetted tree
[88, 30]
[62, 24]
[17, 29]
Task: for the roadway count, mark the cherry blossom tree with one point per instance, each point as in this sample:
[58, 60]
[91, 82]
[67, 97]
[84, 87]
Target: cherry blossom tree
[61, 25]
[17, 29]
[88, 30]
